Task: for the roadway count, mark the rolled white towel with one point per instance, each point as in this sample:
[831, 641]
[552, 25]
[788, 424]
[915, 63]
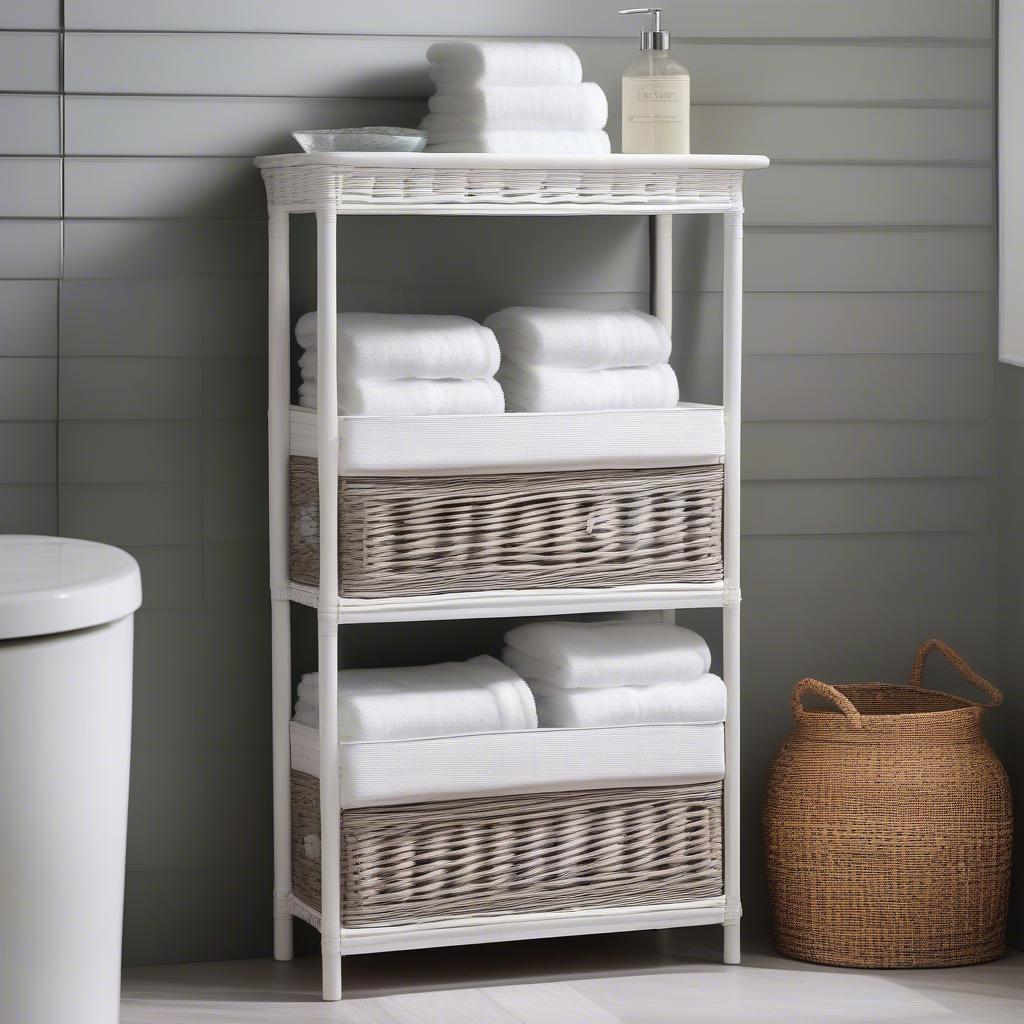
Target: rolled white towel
[504, 62]
[544, 390]
[699, 701]
[572, 143]
[579, 339]
[450, 699]
[580, 107]
[395, 345]
[411, 397]
[611, 653]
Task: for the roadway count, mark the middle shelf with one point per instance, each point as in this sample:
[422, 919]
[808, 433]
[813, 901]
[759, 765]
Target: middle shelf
[522, 442]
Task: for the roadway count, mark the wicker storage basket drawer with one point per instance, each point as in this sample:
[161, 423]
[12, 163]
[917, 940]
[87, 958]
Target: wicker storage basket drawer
[435, 535]
[514, 854]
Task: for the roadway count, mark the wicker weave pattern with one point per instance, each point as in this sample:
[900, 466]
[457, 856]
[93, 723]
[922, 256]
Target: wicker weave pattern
[888, 828]
[504, 855]
[402, 537]
[303, 188]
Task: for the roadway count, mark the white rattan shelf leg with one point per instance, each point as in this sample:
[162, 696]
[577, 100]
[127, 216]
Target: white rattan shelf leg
[661, 268]
[327, 613]
[660, 227]
[280, 621]
[732, 289]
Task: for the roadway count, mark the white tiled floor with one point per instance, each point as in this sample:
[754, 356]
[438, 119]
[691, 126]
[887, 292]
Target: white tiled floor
[627, 979]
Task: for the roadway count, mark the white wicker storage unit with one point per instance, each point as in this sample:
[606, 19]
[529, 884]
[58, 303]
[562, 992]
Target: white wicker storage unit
[333, 185]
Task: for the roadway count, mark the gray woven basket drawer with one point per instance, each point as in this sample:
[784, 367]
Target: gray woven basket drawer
[515, 854]
[402, 537]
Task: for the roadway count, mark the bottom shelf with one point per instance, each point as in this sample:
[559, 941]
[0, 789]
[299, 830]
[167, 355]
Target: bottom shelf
[512, 603]
[466, 931]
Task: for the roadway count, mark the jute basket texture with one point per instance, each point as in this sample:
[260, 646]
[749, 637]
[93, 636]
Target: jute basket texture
[888, 826]
[515, 854]
[411, 536]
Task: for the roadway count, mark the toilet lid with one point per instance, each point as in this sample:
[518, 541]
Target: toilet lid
[56, 584]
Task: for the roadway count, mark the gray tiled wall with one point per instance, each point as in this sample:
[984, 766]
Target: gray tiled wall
[869, 333]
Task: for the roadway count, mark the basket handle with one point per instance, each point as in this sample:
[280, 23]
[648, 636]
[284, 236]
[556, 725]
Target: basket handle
[987, 688]
[830, 693]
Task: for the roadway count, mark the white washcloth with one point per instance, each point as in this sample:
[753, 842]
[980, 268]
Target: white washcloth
[612, 653]
[543, 390]
[393, 345]
[580, 107]
[572, 143]
[696, 702]
[580, 339]
[506, 62]
[411, 397]
[451, 699]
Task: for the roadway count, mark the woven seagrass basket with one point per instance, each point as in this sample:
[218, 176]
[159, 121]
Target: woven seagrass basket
[514, 854]
[401, 537]
[888, 826]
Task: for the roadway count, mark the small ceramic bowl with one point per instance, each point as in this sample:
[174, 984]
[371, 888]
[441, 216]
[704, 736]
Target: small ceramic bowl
[376, 139]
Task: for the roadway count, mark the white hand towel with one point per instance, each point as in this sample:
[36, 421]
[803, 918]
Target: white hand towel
[579, 339]
[619, 652]
[479, 695]
[580, 107]
[411, 397]
[571, 143]
[543, 390]
[696, 702]
[506, 62]
[393, 345]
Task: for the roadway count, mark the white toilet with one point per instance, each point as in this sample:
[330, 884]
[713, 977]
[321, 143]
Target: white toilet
[66, 619]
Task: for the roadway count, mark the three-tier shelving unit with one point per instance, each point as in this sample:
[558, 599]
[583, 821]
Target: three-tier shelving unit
[338, 185]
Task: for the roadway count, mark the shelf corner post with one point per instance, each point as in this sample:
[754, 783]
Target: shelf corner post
[278, 323]
[327, 608]
[660, 232]
[661, 268]
[732, 312]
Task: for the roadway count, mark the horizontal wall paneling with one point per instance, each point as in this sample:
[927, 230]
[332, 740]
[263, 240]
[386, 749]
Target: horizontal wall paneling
[940, 19]
[375, 66]
[243, 126]
[28, 62]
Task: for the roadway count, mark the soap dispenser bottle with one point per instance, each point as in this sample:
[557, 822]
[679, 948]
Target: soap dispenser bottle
[655, 94]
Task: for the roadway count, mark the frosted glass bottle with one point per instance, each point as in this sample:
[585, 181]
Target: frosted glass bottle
[656, 104]
[655, 94]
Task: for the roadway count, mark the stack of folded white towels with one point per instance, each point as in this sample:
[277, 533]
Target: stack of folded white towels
[513, 97]
[450, 699]
[399, 364]
[617, 672]
[560, 360]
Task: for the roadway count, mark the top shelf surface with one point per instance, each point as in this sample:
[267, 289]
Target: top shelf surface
[508, 184]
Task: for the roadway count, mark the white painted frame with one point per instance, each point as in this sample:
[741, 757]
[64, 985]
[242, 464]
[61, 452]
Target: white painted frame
[319, 194]
[1011, 181]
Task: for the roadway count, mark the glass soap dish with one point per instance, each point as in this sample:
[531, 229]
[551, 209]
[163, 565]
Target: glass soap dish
[374, 139]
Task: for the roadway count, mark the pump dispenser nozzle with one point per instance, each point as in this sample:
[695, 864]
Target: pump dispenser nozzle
[653, 38]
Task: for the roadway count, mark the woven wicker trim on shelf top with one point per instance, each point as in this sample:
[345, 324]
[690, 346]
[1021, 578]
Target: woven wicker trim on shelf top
[305, 187]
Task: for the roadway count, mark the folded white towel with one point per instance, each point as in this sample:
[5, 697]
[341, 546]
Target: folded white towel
[572, 143]
[616, 652]
[580, 107]
[451, 699]
[505, 62]
[543, 390]
[411, 397]
[696, 702]
[394, 345]
[580, 339]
